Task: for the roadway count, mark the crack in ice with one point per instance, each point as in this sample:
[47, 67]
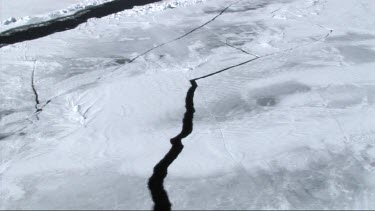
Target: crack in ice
[180, 37]
[39, 30]
[158, 46]
[238, 48]
[260, 57]
[36, 95]
[156, 181]
[160, 171]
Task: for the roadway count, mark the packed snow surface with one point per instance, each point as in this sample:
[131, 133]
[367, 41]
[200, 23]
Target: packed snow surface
[16, 13]
[292, 129]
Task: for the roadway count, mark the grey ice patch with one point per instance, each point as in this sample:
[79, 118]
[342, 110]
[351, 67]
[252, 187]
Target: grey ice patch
[240, 34]
[99, 188]
[122, 61]
[3, 136]
[281, 89]
[343, 96]
[328, 180]
[370, 89]
[223, 109]
[237, 8]
[230, 105]
[266, 101]
[5, 113]
[235, 106]
[247, 7]
[357, 53]
[69, 68]
[270, 95]
[300, 65]
[351, 36]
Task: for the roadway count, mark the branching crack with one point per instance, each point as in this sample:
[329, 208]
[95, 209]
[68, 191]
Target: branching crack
[160, 171]
[181, 36]
[263, 56]
[188, 33]
[161, 45]
[156, 181]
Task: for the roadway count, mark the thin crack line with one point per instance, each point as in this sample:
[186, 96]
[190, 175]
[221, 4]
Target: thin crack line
[214, 118]
[240, 49]
[263, 56]
[180, 37]
[308, 21]
[36, 96]
[33, 86]
[333, 117]
[211, 74]
[188, 33]
[232, 46]
[225, 69]
[158, 46]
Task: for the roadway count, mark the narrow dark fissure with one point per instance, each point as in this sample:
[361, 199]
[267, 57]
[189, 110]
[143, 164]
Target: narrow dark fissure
[38, 30]
[33, 87]
[36, 95]
[138, 56]
[155, 183]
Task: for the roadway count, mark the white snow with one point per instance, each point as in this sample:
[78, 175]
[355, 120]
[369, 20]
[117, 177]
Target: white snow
[293, 129]
[16, 13]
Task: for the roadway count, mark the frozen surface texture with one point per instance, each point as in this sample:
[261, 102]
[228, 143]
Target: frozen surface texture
[87, 113]
[15, 12]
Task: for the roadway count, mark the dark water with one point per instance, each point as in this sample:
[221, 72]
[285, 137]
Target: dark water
[35, 31]
[155, 183]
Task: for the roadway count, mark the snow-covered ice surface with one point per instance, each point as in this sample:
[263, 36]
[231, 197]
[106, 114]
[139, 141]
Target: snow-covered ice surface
[19, 12]
[292, 129]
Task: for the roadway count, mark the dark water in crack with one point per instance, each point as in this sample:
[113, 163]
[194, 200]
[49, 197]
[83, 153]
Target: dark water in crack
[155, 183]
[35, 31]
